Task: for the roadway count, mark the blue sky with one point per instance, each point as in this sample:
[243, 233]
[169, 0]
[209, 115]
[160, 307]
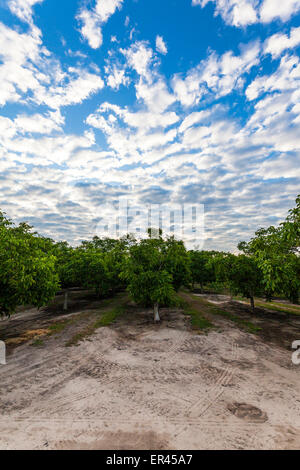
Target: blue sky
[168, 102]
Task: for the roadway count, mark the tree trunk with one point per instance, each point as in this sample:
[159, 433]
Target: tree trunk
[66, 300]
[156, 314]
[268, 297]
[2, 353]
[252, 303]
[295, 299]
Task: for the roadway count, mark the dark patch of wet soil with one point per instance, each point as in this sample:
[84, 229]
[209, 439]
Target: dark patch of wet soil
[276, 327]
[33, 319]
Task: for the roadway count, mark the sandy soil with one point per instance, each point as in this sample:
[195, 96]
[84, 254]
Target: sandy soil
[136, 385]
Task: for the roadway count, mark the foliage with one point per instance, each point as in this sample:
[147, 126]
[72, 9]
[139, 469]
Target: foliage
[146, 274]
[245, 277]
[177, 262]
[276, 250]
[33, 267]
[202, 271]
[88, 268]
[27, 272]
[241, 274]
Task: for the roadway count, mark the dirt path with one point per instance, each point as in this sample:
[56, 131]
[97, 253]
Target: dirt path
[135, 385]
[274, 327]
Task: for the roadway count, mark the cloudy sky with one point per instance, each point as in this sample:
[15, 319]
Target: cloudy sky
[164, 102]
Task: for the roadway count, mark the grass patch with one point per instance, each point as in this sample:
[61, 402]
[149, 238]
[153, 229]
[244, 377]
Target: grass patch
[58, 327]
[247, 325]
[110, 317]
[106, 319]
[37, 342]
[252, 328]
[198, 320]
[276, 306]
[211, 309]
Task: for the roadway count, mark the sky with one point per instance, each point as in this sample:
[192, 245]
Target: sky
[172, 102]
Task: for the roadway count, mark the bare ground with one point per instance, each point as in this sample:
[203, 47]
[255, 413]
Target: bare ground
[136, 385]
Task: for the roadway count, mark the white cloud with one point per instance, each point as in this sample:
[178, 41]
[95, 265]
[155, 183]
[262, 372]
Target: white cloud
[142, 120]
[23, 8]
[192, 119]
[155, 95]
[45, 150]
[91, 28]
[234, 12]
[78, 86]
[93, 20]
[241, 13]
[18, 53]
[161, 45]
[151, 87]
[39, 124]
[33, 124]
[134, 136]
[286, 78]
[29, 73]
[278, 43]
[216, 75]
[149, 120]
[165, 151]
[140, 57]
[274, 127]
[116, 76]
[282, 9]
[284, 166]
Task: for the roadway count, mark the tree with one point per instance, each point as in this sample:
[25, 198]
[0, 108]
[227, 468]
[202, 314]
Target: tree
[240, 274]
[27, 272]
[63, 253]
[202, 270]
[276, 250]
[222, 265]
[111, 252]
[88, 268]
[177, 262]
[291, 278]
[146, 272]
[291, 228]
[245, 277]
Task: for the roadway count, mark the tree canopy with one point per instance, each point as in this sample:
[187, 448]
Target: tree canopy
[276, 251]
[33, 268]
[154, 269]
[28, 274]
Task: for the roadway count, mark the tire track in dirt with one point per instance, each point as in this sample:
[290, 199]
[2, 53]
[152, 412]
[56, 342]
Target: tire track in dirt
[182, 392]
[97, 366]
[159, 374]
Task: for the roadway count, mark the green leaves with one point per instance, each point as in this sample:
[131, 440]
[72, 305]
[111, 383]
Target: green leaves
[154, 269]
[276, 251]
[27, 273]
[93, 265]
[202, 271]
[241, 274]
